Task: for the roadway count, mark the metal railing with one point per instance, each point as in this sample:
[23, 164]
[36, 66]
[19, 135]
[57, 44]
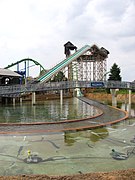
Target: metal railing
[18, 90]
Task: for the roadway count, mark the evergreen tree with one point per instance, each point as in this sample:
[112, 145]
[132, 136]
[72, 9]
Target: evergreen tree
[114, 73]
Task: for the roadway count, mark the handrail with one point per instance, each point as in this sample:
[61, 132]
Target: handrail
[21, 89]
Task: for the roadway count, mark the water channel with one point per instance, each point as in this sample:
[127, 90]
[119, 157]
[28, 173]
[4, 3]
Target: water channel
[47, 111]
[66, 152]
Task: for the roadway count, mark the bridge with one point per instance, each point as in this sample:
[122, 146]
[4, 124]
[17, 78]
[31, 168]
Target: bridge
[18, 90]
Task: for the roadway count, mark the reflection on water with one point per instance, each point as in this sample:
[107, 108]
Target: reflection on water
[69, 152]
[47, 111]
[129, 107]
[50, 111]
[92, 135]
[98, 134]
[64, 153]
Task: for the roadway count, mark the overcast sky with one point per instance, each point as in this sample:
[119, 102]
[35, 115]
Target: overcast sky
[38, 29]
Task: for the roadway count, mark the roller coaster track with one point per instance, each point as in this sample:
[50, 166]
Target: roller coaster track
[23, 60]
[63, 64]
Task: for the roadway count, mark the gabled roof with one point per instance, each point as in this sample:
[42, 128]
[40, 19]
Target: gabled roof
[7, 72]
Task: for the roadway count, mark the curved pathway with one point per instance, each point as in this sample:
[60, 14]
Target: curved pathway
[109, 116]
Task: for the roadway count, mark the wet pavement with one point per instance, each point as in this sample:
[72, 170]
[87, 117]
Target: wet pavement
[69, 152]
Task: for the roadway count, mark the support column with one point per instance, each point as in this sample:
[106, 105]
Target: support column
[130, 92]
[6, 100]
[74, 93]
[34, 111]
[25, 73]
[125, 101]
[21, 101]
[61, 96]
[13, 101]
[129, 102]
[114, 97]
[33, 98]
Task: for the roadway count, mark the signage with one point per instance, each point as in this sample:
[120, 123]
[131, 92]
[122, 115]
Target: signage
[97, 84]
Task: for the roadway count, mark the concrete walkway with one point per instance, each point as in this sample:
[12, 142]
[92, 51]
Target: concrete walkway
[110, 115]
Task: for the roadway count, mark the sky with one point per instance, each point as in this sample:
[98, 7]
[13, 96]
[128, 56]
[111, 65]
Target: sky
[38, 29]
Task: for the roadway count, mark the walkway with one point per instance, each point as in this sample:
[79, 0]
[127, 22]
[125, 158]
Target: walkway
[109, 116]
[19, 90]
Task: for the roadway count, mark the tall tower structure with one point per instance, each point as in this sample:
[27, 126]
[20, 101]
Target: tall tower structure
[92, 65]
[68, 47]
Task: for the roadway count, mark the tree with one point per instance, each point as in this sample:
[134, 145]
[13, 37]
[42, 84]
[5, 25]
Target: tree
[59, 77]
[114, 73]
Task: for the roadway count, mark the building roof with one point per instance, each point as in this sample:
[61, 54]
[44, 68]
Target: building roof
[7, 72]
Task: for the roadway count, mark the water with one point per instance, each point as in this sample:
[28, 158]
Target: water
[47, 111]
[64, 153]
[129, 108]
[69, 152]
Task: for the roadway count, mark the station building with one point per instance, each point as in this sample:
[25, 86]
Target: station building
[8, 77]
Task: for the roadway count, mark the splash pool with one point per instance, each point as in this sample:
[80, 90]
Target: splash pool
[68, 152]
